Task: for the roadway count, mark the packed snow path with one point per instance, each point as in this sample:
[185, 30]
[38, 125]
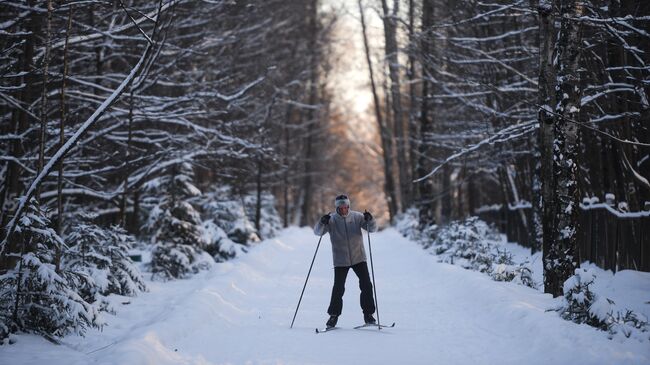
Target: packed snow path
[240, 312]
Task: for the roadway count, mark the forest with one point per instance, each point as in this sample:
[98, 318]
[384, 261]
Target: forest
[188, 131]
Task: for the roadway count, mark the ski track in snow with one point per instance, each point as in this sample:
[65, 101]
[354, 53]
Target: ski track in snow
[240, 311]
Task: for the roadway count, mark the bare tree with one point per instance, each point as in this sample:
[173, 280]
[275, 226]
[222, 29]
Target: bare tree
[385, 133]
[391, 51]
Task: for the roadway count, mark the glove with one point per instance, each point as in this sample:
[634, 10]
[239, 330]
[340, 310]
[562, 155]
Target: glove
[367, 216]
[325, 219]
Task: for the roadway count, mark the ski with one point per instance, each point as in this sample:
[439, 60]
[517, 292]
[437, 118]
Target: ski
[374, 325]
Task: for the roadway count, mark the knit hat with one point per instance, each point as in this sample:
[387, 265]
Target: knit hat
[342, 200]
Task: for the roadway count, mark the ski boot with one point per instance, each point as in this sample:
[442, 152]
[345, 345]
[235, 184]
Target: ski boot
[332, 321]
[369, 319]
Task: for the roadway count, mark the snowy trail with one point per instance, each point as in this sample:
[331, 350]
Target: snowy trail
[240, 312]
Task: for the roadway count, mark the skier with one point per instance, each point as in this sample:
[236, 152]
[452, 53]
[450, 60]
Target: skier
[344, 228]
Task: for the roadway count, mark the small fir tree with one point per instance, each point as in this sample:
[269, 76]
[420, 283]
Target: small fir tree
[35, 296]
[229, 213]
[270, 222]
[102, 254]
[175, 228]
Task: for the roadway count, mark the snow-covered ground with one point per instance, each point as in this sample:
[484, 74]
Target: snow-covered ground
[628, 289]
[240, 311]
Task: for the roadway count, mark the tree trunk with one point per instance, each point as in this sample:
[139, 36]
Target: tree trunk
[305, 218]
[391, 51]
[59, 183]
[285, 175]
[263, 130]
[46, 64]
[386, 141]
[516, 197]
[425, 187]
[99, 62]
[536, 231]
[445, 198]
[546, 88]
[20, 118]
[412, 122]
[135, 224]
[258, 202]
[127, 157]
[563, 259]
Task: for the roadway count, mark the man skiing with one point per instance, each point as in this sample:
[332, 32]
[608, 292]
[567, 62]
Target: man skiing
[348, 252]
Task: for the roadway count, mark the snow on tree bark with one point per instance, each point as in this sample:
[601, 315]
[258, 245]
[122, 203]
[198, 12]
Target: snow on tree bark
[546, 134]
[562, 257]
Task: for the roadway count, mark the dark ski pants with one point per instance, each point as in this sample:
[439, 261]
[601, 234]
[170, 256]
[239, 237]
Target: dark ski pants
[340, 274]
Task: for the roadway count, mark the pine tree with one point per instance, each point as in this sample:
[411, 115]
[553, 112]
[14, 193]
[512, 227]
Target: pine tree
[230, 213]
[126, 278]
[176, 228]
[102, 255]
[269, 218]
[35, 296]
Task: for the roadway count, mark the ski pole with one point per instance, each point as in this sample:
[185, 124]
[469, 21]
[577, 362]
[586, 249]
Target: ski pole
[303, 288]
[374, 285]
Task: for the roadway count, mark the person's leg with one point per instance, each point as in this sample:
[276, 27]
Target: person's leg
[336, 302]
[366, 298]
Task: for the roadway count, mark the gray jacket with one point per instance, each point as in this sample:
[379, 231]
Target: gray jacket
[346, 236]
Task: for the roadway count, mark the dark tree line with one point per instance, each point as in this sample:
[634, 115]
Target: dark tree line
[534, 109]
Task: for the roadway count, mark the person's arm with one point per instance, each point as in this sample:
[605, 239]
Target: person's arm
[369, 223]
[322, 226]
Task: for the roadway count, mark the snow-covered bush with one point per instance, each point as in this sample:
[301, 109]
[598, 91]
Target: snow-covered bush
[171, 261]
[270, 219]
[407, 223]
[229, 226]
[630, 325]
[178, 243]
[520, 274]
[34, 295]
[467, 243]
[470, 243]
[464, 242]
[579, 300]
[223, 226]
[174, 226]
[218, 245]
[229, 221]
[582, 305]
[229, 213]
[102, 255]
[126, 277]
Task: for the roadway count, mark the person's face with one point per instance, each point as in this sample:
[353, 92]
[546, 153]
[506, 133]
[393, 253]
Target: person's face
[344, 209]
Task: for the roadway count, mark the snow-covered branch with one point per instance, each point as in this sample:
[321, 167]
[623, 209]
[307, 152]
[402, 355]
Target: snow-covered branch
[70, 143]
[507, 134]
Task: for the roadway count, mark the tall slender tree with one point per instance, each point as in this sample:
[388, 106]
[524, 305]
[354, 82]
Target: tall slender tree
[385, 133]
